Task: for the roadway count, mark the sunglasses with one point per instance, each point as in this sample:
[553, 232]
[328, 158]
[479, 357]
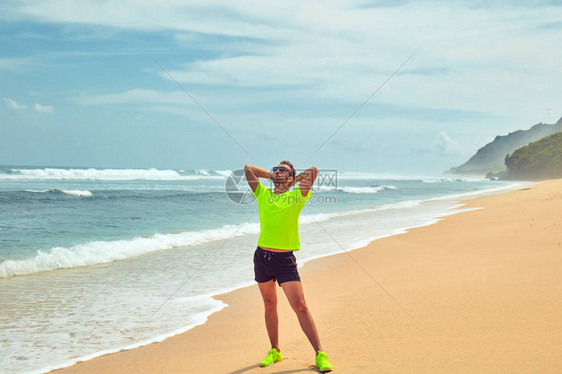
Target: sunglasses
[282, 169]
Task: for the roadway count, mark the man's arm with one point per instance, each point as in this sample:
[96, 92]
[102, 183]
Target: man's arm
[306, 178]
[253, 175]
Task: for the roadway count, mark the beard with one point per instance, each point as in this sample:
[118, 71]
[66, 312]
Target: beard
[280, 181]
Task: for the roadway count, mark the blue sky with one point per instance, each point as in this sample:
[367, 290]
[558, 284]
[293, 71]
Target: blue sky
[79, 86]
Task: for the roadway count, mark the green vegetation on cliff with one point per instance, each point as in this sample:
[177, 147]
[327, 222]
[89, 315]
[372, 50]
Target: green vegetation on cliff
[491, 157]
[538, 160]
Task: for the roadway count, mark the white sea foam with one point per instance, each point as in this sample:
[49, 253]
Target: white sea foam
[447, 180]
[77, 192]
[82, 193]
[109, 174]
[204, 306]
[319, 217]
[307, 219]
[369, 176]
[100, 252]
[400, 205]
[224, 173]
[376, 189]
[480, 192]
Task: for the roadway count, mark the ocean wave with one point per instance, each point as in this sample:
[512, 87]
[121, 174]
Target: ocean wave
[400, 205]
[224, 173]
[407, 204]
[101, 252]
[110, 174]
[366, 176]
[443, 180]
[376, 189]
[81, 193]
[478, 192]
[319, 217]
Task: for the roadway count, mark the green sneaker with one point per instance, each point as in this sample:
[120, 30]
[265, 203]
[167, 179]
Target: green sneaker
[322, 362]
[272, 357]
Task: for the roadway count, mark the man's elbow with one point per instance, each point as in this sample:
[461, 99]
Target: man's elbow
[314, 170]
[248, 170]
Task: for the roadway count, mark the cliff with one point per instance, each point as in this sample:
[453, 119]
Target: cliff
[491, 157]
[538, 160]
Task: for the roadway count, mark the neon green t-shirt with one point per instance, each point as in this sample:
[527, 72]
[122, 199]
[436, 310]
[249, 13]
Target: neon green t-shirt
[279, 217]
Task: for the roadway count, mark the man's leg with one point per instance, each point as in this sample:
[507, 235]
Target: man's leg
[269, 295]
[295, 295]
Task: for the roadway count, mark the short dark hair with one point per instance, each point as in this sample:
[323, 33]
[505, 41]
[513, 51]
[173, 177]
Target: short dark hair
[292, 173]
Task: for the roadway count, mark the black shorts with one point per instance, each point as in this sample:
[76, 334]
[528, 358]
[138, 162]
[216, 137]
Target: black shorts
[280, 266]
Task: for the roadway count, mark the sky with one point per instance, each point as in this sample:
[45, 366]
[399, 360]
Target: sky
[388, 87]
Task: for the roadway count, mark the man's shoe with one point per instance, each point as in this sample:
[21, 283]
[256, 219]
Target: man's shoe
[272, 357]
[322, 362]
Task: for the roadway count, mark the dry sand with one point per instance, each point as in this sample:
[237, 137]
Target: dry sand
[483, 288]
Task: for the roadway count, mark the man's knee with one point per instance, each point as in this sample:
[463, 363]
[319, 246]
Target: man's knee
[299, 306]
[270, 302]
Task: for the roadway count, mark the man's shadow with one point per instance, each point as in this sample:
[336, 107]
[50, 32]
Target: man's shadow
[311, 368]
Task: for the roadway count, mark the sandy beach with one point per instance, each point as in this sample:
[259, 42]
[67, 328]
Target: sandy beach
[478, 292]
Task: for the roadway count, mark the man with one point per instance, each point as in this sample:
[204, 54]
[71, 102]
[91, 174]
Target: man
[274, 260]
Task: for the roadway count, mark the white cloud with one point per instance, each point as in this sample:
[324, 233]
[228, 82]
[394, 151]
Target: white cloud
[481, 59]
[14, 104]
[492, 59]
[445, 144]
[209, 17]
[212, 100]
[136, 96]
[38, 107]
[43, 108]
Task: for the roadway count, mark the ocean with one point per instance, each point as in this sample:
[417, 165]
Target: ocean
[95, 260]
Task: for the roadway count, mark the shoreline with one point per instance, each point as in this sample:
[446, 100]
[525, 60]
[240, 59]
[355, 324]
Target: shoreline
[312, 269]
